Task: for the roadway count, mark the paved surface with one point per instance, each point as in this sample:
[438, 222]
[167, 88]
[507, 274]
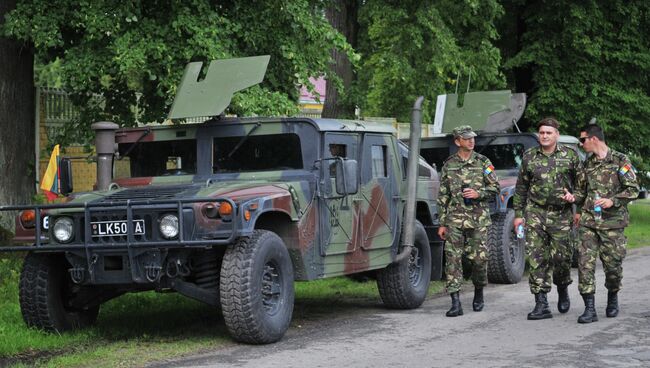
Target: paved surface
[500, 336]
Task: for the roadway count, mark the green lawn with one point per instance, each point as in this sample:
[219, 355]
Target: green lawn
[169, 325]
[638, 233]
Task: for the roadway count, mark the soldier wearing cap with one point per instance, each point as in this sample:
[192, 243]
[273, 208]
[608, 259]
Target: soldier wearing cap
[543, 197]
[467, 183]
[605, 186]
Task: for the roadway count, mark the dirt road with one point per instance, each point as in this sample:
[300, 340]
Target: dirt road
[500, 336]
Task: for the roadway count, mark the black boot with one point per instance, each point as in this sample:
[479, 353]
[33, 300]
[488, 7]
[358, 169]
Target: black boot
[563, 301]
[456, 309]
[590, 310]
[612, 304]
[541, 310]
[477, 303]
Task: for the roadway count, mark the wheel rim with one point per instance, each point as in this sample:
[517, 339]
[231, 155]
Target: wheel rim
[271, 288]
[415, 267]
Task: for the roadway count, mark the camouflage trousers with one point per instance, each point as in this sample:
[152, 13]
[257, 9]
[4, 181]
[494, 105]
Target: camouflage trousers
[610, 245]
[548, 248]
[472, 244]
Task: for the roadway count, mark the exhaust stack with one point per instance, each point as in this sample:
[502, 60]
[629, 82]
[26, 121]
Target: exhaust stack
[411, 181]
[105, 147]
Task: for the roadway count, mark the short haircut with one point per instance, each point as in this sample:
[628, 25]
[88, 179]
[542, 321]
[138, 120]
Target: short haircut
[594, 130]
[550, 122]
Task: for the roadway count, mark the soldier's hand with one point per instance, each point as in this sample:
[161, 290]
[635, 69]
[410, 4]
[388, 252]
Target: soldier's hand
[576, 219]
[568, 197]
[518, 221]
[470, 193]
[442, 232]
[604, 202]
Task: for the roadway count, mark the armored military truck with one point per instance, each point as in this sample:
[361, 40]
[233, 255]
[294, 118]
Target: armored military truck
[492, 114]
[231, 212]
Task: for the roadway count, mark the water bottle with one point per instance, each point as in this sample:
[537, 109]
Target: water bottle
[598, 212]
[520, 231]
[467, 201]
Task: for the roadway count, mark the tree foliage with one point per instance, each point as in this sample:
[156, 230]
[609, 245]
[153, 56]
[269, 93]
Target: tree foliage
[411, 48]
[587, 59]
[133, 52]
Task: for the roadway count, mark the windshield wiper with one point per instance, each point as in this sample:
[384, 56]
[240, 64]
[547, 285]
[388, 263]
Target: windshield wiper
[132, 146]
[488, 143]
[243, 139]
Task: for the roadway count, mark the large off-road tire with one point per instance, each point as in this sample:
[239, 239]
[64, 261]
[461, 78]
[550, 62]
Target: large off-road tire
[45, 292]
[257, 288]
[507, 257]
[405, 285]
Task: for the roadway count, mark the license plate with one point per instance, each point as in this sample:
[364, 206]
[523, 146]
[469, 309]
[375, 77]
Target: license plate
[115, 228]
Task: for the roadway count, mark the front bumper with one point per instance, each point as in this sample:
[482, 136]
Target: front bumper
[190, 235]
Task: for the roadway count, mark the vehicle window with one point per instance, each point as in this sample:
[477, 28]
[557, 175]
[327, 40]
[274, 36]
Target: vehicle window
[338, 150]
[435, 156]
[257, 153]
[503, 156]
[160, 158]
[378, 154]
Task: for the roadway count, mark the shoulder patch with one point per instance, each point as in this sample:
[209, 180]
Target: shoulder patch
[627, 171]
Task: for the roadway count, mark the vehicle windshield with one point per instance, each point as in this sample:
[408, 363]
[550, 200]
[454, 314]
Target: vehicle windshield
[257, 153]
[503, 156]
[160, 158]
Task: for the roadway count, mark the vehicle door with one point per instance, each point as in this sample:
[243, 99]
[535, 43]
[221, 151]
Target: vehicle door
[338, 211]
[379, 192]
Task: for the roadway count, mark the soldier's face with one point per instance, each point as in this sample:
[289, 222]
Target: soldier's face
[586, 142]
[548, 136]
[465, 143]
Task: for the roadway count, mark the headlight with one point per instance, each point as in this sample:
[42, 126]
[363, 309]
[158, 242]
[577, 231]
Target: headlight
[63, 229]
[169, 226]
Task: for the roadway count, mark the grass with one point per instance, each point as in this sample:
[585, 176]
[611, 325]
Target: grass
[638, 233]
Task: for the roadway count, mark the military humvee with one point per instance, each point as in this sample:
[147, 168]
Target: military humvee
[492, 114]
[230, 212]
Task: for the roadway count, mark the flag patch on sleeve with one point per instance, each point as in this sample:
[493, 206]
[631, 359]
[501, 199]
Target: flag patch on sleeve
[488, 170]
[624, 170]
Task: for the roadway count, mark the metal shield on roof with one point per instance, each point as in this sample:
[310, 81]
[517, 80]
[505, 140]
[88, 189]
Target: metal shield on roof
[212, 95]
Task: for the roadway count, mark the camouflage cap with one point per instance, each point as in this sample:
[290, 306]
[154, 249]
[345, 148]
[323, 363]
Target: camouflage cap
[464, 131]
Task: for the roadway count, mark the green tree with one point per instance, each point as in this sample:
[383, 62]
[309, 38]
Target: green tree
[133, 52]
[411, 48]
[578, 60]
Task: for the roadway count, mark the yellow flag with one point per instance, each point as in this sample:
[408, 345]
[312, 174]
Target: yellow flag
[50, 181]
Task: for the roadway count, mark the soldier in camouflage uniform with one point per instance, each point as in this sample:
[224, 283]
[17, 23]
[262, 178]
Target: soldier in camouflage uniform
[608, 181]
[467, 183]
[543, 201]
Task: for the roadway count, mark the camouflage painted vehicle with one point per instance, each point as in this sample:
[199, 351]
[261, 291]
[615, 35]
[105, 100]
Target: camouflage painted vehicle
[491, 114]
[230, 212]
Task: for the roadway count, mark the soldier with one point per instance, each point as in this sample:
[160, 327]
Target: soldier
[605, 187]
[542, 200]
[467, 184]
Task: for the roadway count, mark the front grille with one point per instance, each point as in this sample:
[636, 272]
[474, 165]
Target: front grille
[151, 192]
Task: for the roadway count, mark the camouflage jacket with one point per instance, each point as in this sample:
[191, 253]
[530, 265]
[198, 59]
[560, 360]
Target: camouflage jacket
[542, 178]
[612, 177]
[477, 173]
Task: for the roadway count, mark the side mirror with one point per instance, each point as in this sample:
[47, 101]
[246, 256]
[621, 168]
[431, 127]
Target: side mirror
[65, 167]
[346, 177]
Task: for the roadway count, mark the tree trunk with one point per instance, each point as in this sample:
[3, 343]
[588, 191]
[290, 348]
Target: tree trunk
[17, 131]
[342, 15]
